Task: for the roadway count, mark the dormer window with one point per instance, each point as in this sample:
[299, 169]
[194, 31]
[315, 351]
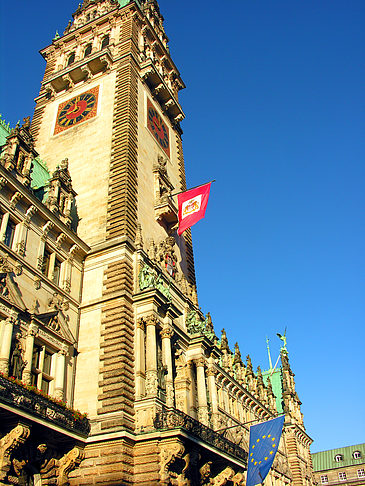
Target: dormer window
[356, 455]
[338, 457]
[87, 50]
[105, 42]
[71, 59]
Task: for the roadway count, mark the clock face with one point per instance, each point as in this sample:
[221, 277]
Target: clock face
[158, 128]
[76, 110]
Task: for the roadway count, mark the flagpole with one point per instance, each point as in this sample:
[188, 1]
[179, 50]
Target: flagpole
[195, 187]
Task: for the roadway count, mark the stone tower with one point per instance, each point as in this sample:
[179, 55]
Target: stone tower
[98, 302]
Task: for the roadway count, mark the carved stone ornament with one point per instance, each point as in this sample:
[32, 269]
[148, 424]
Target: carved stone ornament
[148, 279]
[166, 256]
[223, 477]
[195, 325]
[8, 444]
[169, 453]
[67, 463]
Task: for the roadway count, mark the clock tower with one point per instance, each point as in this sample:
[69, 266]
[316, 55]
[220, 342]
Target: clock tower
[111, 321]
[109, 104]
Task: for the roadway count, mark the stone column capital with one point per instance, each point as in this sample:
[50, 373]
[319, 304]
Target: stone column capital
[211, 371]
[200, 361]
[141, 323]
[32, 330]
[63, 351]
[166, 332]
[151, 320]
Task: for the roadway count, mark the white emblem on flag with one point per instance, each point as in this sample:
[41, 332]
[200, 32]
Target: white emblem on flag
[191, 206]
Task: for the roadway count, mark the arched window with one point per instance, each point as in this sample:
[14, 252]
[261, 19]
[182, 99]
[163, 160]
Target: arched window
[105, 42]
[87, 50]
[338, 457]
[356, 455]
[71, 59]
[87, 17]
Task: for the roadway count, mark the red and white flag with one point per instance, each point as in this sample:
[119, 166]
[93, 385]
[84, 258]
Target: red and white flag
[192, 205]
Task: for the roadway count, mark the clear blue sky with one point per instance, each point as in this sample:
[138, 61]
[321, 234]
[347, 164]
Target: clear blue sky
[274, 106]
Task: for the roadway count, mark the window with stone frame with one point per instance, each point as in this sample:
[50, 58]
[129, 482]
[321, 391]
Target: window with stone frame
[361, 473]
[324, 479]
[356, 454]
[51, 265]
[105, 42]
[338, 457]
[57, 271]
[71, 59]
[46, 262]
[9, 233]
[42, 367]
[342, 476]
[87, 51]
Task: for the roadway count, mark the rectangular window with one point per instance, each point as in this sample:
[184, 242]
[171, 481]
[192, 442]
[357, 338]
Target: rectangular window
[324, 479]
[9, 234]
[41, 368]
[342, 476]
[361, 473]
[56, 271]
[45, 262]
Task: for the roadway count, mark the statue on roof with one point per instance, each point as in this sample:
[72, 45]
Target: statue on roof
[283, 338]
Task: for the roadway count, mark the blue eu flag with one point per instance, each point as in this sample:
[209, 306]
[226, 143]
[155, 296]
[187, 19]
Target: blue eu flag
[264, 442]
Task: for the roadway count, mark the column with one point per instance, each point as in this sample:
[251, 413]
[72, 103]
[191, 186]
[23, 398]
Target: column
[211, 372]
[202, 391]
[191, 402]
[29, 344]
[151, 356]
[5, 345]
[166, 335]
[59, 391]
[140, 358]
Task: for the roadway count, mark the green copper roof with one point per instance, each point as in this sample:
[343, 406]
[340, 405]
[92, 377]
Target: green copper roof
[40, 174]
[275, 379]
[122, 3]
[326, 459]
[4, 131]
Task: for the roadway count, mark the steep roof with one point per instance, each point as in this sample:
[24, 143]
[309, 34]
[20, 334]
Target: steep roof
[326, 459]
[275, 378]
[4, 131]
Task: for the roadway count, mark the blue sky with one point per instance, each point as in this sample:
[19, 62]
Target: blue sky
[274, 112]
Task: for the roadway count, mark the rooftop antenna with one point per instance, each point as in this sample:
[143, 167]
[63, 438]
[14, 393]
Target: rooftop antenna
[268, 352]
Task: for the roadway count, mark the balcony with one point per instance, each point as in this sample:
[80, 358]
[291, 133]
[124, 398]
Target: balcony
[161, 92]
[175, 419]
[79, 71]
[26, 402]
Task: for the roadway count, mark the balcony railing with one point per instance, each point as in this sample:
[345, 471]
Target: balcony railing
[41, 407]
[175, 419]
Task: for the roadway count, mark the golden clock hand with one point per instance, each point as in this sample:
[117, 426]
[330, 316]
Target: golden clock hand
[76, 108]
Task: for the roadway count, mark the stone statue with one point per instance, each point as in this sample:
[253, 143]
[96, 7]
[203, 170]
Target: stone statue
[209, 329]
[146, 278]
[161, 373]
[17, 363]
[283, 338]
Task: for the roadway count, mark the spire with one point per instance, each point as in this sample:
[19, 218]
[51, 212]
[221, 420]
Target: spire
[268, 352]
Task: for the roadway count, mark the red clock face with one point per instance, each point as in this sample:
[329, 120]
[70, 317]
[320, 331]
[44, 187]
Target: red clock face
[76, 110]
[158, 128]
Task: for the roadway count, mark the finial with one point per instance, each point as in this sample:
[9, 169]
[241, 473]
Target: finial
[268, 352]
[56, 36]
